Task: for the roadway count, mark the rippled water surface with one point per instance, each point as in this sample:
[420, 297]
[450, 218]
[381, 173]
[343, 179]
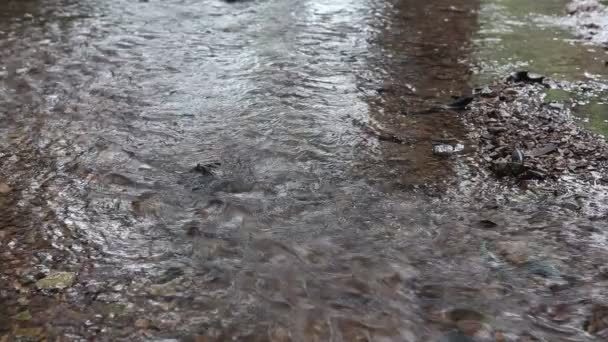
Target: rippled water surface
[218, 171]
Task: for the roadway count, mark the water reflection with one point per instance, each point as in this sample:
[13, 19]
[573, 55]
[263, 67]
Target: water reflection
[420, 63]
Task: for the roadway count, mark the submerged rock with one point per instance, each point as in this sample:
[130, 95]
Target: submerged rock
[4, 188]
[516, 252]
[598, 321]
[206, 169]
[461, 102]
[142, 323]
[58, 280]
[544, 269]
[470, 325]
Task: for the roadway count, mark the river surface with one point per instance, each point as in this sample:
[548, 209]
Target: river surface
[245, 171]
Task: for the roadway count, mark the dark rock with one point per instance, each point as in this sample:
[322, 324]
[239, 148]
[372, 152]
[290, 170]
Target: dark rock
[505, 169]
[517, 156]
[206, 169]
[598, 320]
[460, 103]
[495, 130]
[487, 224]
[525, 77]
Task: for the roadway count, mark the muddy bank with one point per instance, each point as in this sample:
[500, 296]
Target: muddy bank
[525, 131]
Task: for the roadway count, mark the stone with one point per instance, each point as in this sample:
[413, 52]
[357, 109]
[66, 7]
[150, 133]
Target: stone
[57, 280]
[516, 252]
[5, 189]
[142, 323]
[598, 321]
[460, 103]
[207, 169]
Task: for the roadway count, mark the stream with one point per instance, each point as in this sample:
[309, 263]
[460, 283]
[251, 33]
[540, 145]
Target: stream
[201, 170]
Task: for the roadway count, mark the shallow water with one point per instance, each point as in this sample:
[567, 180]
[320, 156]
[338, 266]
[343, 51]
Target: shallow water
[247, 171]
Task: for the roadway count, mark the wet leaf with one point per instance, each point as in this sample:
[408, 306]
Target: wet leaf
[541, 151]
[34, 334]
[58, 280]
[23, 316]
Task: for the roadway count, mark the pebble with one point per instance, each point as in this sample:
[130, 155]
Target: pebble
[5, 189]
[516, 252]
[142, 323]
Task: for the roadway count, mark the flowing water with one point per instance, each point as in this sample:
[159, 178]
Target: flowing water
[217, 171]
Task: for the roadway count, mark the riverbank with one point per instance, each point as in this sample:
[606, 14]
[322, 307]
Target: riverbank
[519, 115]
